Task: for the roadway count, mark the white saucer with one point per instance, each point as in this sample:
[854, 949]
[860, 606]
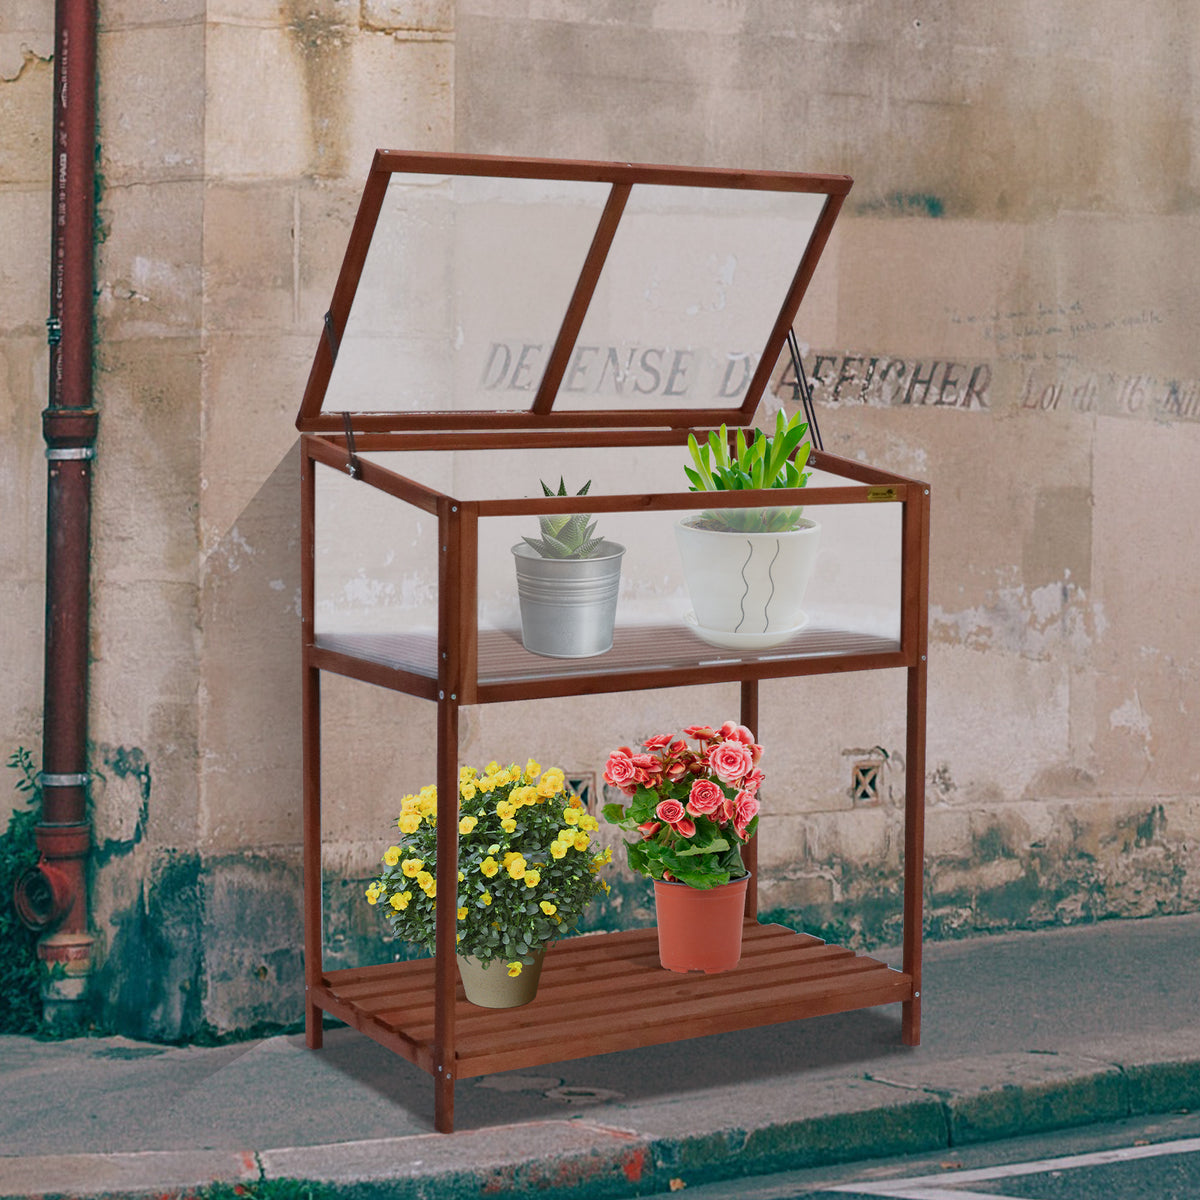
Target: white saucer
[742, 641]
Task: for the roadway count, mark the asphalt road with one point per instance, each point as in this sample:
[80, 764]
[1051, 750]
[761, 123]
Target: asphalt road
[1147, 1159]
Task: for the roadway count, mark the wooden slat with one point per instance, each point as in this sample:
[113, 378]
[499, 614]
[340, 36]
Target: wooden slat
[706, 1012]
[782, 976]
[572, 984]
[791, 304]
[812, 497]
[557, 1011]
[508, 167]
[364, 660]
[585, 286]
[391, 1038]
[735, 1017]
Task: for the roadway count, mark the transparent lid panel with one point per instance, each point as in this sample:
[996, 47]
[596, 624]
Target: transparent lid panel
[467, 280]
[462, 293]
[689, 294]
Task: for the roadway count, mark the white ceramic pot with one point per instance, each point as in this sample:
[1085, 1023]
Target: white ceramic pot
[747, 588]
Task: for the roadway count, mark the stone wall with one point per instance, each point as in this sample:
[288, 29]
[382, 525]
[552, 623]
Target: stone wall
[1005, 311]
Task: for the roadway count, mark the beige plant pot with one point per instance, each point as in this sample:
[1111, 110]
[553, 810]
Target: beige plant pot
[489, 985]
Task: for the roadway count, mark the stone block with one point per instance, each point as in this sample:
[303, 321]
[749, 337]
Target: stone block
[145, 503]
[148, 268]
[1145, 661]
[26, 113]
[326, 215]
[27, 32]
[125, 14]
[23, 367]
[520, 70]
[995, 720]
[248, 980]
[154, 122]
[250, 699]
[251, 258]
[412, 82]
[273, 253]
[402, 16]
[948, 836]
[252, 388]
[24, 269]
[143, 679]
[258, 119]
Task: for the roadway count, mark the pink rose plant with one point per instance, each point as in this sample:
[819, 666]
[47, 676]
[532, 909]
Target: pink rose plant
[693, 806]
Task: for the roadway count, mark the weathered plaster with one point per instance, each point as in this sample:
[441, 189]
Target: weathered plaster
[1005, 310]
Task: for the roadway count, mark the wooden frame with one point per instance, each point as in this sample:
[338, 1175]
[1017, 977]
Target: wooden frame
[417, 1008]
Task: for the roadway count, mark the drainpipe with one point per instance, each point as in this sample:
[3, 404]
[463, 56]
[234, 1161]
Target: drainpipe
[52, 896]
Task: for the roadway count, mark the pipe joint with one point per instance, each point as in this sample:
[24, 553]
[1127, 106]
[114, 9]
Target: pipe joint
[63, 426]
[67, 841]
[43, 895]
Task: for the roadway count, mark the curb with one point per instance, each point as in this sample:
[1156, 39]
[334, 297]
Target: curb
[915, 1108]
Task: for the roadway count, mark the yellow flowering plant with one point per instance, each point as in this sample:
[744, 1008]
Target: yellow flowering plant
[527, 864]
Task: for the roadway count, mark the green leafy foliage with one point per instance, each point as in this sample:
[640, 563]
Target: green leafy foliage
[20, 972]
[527, 867]
[757, 462]
[566, 535]
[692, 808]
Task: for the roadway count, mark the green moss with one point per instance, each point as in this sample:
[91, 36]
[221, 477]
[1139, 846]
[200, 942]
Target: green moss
[20, 972]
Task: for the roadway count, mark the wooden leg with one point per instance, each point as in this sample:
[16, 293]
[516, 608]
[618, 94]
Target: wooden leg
[749, 718]
[914, 850]
[314, 1030]
[445, 970]
[313, 909]
[443, 1102]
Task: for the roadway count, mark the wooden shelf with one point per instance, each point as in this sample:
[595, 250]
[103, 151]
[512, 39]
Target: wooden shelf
[783, 976]
[642, 656]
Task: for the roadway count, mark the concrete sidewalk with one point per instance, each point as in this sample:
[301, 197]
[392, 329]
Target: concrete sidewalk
[1022, 1032]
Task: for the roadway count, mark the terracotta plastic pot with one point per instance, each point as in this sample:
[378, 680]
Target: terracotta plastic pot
[700, 929]
[489, 984]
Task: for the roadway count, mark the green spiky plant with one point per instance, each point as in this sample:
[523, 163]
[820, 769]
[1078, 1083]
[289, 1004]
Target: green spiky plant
[760, 461]
[566, 535]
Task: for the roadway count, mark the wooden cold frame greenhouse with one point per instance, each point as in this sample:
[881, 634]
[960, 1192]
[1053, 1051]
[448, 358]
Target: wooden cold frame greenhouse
[497, 321]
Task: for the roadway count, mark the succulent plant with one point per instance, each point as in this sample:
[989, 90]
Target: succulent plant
[566, 535]
[760, 462]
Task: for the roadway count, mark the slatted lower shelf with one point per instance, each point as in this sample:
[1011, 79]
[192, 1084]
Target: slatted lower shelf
[607, 991]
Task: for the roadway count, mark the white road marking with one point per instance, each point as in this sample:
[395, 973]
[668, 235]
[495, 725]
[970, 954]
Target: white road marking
[946, 1186]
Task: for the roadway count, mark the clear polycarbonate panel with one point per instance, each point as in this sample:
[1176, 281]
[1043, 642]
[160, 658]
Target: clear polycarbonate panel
[690, 292]
[462, 293]
[377, 559]
[850, 602]
[467, 280]
[375, 569]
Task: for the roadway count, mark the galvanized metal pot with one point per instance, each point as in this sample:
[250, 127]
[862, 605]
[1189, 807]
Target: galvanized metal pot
[489, 985]
[568, 605]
